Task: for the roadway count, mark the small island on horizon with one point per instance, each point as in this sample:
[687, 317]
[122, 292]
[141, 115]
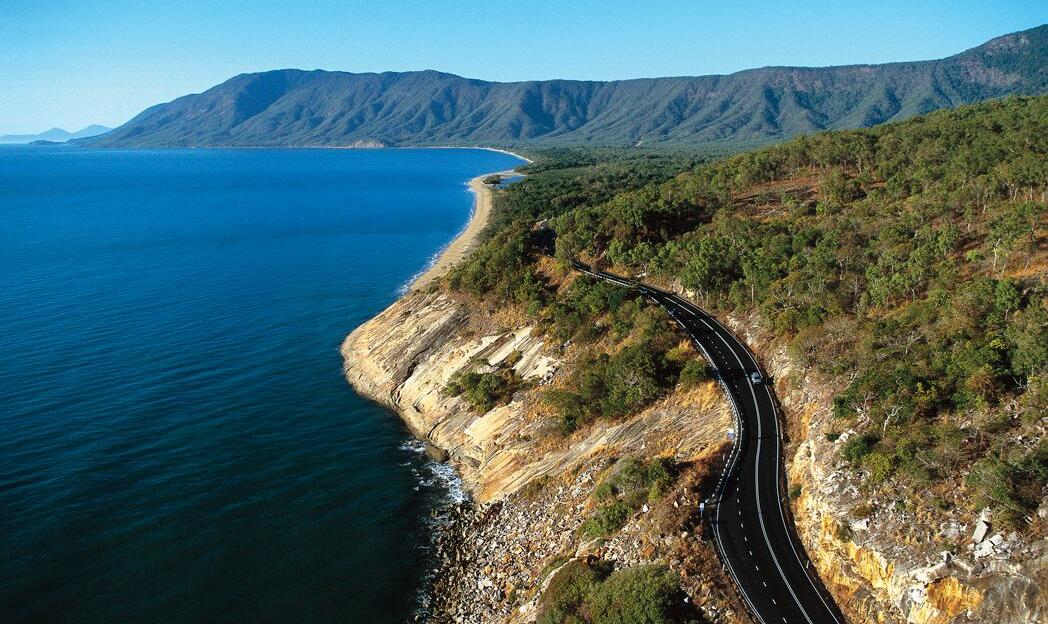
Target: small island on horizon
[53, 136]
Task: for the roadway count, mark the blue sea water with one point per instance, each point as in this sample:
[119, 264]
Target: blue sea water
[177, 443]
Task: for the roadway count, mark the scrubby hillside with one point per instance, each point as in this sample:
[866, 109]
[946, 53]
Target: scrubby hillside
[321, 108]
[893, 278]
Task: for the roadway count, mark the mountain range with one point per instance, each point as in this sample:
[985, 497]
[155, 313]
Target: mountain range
[325, 108]
[54, 135]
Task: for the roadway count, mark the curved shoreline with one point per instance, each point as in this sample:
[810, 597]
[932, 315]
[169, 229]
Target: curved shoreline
[466, 240]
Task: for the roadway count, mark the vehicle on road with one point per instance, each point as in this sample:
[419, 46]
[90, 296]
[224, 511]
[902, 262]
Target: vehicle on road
[755, 539]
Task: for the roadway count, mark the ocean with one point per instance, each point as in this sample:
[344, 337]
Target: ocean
[177, 443]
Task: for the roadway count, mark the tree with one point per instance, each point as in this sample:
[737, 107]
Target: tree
[632, 380]
[1029, 337]
[695, 372]
[841, 189]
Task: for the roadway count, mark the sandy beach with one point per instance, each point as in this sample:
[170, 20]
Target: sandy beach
[468, 238]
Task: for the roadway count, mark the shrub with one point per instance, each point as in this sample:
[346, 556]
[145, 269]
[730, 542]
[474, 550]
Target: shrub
[880, 466]
[637, 481]
[577, 311]
[648, 594]
[844, 532]
[570, 407]
[632, 380]
[841, 189]
[484, 391]
[567, 592]
[612, 386]
[862, 510]
[534, 487]
[608, 519]
[579, 593]
[858, 446]
[842, 406]
[694, 373]
[658, 478]
[513, 358]
[501, 267]
[604, 491]
[632, 484]
[681, 354]
[1012, 487]
[584, 404]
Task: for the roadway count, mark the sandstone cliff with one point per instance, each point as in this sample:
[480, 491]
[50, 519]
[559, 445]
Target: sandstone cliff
[532, 487]
[406, 355]
[884, 561]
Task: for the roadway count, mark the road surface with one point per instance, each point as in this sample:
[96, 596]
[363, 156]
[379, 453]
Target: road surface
[753, 533]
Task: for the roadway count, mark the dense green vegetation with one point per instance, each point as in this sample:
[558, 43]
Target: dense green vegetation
[581, 593]
[619, 495]
[744, 109]
[559, 181]
[485, 390]
[905, 261]
[645, 363]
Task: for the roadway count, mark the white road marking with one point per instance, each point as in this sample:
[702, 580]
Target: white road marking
[736, 449]
[756, 481]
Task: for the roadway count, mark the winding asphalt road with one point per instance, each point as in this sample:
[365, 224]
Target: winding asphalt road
[755, 537]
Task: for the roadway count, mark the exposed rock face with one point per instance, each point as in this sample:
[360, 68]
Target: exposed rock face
[894, 563]
[366, 143]
[406, 355]
[887, 564]
[532, 489]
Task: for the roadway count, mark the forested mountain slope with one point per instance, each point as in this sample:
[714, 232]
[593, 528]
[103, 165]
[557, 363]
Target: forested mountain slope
[322, 108]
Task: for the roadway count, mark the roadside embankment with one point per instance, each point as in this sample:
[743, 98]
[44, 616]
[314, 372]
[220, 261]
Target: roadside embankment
[889, 552]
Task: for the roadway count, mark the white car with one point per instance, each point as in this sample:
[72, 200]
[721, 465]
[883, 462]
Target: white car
[755, 378]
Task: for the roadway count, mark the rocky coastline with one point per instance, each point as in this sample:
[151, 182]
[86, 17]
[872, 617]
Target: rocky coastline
[530, 490]
[530, 494]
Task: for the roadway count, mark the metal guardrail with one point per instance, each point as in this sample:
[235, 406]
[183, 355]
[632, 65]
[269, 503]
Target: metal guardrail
[736, 446]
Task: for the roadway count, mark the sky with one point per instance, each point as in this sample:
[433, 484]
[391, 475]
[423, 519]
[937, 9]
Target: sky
[74, 63]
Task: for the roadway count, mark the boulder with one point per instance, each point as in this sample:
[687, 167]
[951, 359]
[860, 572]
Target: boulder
[981, 529]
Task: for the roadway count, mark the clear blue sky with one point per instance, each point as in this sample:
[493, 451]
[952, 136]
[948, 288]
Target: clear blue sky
[73, 63]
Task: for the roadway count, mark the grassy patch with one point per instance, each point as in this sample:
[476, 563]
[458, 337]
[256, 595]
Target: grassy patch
[631, 484]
